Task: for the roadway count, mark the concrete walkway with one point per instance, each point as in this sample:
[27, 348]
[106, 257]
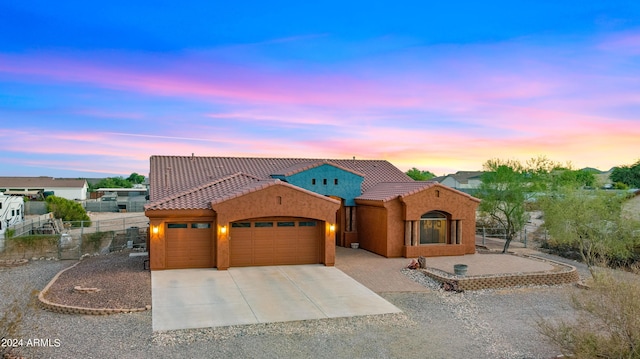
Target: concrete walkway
[199, 298]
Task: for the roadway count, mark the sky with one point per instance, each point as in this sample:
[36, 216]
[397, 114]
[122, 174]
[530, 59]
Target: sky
[93, 89]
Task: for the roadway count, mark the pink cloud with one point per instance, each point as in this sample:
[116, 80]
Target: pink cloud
[626, 43]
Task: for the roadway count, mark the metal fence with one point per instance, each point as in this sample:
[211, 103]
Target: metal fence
[31, 225]
[528, 233]
[72, 239]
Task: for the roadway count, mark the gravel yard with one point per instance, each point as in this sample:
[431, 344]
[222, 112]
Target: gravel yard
[435, 324]
[121, 280]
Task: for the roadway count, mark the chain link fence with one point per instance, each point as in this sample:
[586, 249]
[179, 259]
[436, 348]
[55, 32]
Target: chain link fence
[51, 238]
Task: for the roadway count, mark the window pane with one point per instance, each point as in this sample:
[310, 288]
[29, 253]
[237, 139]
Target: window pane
[286, 224]
[176, 225]
[307, 224]
[264, 224]
[433, 231]
[200, 225]
[241, 224]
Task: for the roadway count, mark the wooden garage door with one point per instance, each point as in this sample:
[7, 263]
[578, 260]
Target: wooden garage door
[275, 242]
[189, 245]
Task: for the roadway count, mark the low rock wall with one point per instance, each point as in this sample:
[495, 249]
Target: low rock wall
[563, 274]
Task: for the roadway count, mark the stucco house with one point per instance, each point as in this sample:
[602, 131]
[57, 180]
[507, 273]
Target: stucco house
[71, 189]
[229, 211]
[463, 180]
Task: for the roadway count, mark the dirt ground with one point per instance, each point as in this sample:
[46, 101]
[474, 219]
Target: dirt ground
[632, 208]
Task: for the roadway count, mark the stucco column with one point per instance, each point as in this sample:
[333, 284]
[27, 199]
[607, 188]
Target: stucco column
[407, 233]
[329, 252]
[453, 232]
[416, 233]
[223, 237]
[157, 252]
[459, 232]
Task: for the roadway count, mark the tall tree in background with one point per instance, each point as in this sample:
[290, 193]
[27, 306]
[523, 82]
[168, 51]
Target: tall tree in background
[419, 175]
[135, 178]
[629, 175]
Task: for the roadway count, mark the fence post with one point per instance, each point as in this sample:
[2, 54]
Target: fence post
[525, 237]
[484, 234]
[81, 234]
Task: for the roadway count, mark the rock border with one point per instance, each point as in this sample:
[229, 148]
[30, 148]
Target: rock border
[70, 309]
[565, 275]
[10, 263]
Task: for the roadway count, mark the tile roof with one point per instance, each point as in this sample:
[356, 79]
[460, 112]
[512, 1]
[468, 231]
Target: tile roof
[460, 176]
[201, 196]
[171, 175]
[386, 191]
[221, 190]
[303, 166]
[40, 182]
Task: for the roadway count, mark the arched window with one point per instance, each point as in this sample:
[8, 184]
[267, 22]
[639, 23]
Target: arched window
[433, 228]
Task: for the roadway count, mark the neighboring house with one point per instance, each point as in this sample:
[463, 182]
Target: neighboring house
[462, 180]
[228, 211]
[11, 212]
[72, 189]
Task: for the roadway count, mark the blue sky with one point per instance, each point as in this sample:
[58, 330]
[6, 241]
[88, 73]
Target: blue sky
[96, 89]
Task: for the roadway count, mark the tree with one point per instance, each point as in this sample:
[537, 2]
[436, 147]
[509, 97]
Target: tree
[592, 224]
[419, 175]
[135, 178]
[67, 210]
[629, 175]
[503, 191]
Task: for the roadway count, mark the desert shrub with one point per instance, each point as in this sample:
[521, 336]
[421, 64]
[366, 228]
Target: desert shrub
[607, 324]
[32, 243]
[92, 242]
[68, 210]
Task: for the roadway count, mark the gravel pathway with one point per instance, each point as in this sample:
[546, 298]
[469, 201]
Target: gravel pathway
[435, 324]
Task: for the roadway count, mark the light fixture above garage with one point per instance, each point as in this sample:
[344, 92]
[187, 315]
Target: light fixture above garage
[332, 227]
[223, 229]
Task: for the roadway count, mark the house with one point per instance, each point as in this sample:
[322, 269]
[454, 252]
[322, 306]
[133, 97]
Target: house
[72, 189]
[230, 211]
[461, 180]
[11, 212]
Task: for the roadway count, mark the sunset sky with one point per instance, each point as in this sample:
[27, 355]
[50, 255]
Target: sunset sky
[95, 88]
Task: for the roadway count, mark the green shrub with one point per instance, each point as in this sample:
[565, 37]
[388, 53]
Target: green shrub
[68, 210]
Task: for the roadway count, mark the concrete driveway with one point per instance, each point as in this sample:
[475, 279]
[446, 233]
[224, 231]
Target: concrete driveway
[200, 298]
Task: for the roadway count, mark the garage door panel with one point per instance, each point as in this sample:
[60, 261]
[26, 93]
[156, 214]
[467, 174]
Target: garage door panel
[276, 242]
[189, 246]
[240, 247]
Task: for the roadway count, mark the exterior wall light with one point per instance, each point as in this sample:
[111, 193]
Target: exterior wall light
[223, 229]
[155, 229]
[332, 227]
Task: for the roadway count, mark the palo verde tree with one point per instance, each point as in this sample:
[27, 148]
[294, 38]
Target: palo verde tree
[503, 192]
[591, 222]
[506, 186]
